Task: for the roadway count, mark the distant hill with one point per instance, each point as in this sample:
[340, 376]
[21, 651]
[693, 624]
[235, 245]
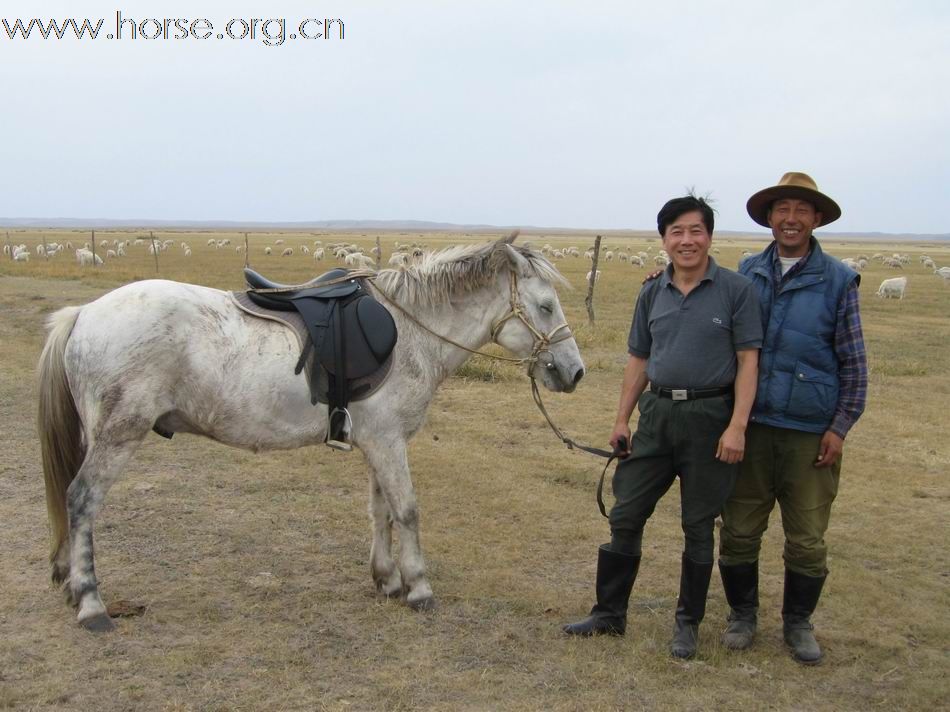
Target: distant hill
[399, 225]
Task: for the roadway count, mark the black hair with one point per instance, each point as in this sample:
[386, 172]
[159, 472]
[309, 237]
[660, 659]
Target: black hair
[680, 206]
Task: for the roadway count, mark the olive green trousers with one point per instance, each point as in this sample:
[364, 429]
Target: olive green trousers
[779, 465]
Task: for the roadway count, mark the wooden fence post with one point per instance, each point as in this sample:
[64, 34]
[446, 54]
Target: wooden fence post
[245, 250]
[9, 249]
[45, 253]
[590, 283]
[379, 254]
[93, 249]
[151, 236]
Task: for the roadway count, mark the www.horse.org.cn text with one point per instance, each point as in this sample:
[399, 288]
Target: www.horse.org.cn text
[272, 32]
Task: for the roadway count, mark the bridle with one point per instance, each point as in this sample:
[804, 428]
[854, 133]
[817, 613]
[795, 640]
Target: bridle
[541, 340]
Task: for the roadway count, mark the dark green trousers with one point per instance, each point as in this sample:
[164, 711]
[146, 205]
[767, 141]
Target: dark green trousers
[674, 439]
[779, 466]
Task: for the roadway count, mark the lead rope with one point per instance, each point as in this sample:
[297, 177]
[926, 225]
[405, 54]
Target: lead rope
[571, 444]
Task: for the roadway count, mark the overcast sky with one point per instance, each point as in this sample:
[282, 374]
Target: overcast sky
[574, 114]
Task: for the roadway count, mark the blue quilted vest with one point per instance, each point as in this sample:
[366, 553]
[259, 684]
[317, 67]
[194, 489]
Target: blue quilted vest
[798, 368]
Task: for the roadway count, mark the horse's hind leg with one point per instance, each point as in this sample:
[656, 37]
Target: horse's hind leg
[385, 572]
[392, 475]
[103, 463]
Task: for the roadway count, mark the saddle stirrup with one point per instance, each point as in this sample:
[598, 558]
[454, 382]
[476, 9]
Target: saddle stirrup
[339, 427]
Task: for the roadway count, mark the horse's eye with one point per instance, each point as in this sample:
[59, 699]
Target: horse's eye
[546, 308]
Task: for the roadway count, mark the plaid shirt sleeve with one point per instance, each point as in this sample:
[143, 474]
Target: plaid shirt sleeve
[852, 364]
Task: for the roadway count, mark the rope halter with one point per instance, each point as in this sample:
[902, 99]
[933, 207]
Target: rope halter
[541, 340]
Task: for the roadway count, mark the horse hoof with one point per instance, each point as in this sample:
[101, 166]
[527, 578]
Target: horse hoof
[425, 605]
[98, 624]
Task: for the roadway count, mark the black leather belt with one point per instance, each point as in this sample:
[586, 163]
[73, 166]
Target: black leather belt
[680, 394]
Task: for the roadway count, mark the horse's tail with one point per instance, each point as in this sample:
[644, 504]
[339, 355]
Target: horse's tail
[60, 427]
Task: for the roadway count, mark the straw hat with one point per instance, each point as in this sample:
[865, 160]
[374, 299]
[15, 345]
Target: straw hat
[792, 185]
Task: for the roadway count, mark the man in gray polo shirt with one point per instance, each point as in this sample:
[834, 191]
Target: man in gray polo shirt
[695, 337]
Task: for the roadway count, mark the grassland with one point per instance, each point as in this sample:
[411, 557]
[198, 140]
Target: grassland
[253, 569]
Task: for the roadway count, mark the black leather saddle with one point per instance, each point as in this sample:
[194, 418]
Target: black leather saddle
[314, 288]
[351, 334]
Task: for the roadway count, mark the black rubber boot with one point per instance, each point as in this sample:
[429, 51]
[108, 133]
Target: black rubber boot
[694, 585]
[741, 584]
[801, 598]
[615, 576]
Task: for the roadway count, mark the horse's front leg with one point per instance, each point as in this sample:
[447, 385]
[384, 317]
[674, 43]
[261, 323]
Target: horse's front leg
[385, 572]
[391, 468]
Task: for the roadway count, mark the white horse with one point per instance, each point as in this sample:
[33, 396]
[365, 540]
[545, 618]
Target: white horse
[183, 358]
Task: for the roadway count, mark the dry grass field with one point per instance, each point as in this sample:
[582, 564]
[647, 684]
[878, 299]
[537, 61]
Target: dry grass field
[253, 573]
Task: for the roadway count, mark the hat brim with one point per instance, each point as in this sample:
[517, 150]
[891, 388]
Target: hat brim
[758, 205]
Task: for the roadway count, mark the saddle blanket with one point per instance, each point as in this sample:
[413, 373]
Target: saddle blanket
[359, 388]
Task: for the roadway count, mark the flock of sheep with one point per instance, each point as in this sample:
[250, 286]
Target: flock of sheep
[622, 254]
[405, 254]
[895, 286]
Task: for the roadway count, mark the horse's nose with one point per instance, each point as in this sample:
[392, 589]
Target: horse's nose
[578, 376]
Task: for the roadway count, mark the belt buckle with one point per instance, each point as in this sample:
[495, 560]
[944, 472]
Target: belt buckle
[679, 394]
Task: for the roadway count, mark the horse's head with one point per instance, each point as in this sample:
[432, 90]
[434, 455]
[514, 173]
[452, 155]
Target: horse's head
[535, 326]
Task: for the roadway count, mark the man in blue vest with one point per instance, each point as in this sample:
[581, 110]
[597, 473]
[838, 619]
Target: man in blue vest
[812, 389]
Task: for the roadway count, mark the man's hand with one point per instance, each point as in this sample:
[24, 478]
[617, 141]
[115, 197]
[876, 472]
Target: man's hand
[829, 450]
[621, 431]
[731, 445]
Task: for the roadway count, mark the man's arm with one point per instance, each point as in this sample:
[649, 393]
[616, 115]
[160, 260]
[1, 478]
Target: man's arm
[634, 383]
[852, 378]
[732, 443]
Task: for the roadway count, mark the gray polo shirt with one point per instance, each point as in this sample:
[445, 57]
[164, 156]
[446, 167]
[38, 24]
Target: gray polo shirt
[691, 341]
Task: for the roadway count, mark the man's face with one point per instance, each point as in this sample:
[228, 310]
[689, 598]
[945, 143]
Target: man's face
[792, 222]
[686, 240]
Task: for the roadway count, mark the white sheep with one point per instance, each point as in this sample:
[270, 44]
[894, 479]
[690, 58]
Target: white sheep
[318, 253]
[893, 287]
[362, 261]
[85, 257]
[596, 277]
[288, 252]
[267, 250]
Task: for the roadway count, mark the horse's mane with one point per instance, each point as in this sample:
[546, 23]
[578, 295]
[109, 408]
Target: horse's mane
[440, 275]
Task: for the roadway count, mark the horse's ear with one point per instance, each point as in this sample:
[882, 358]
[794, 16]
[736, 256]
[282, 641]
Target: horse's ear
[511, 238]
[517, 260]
